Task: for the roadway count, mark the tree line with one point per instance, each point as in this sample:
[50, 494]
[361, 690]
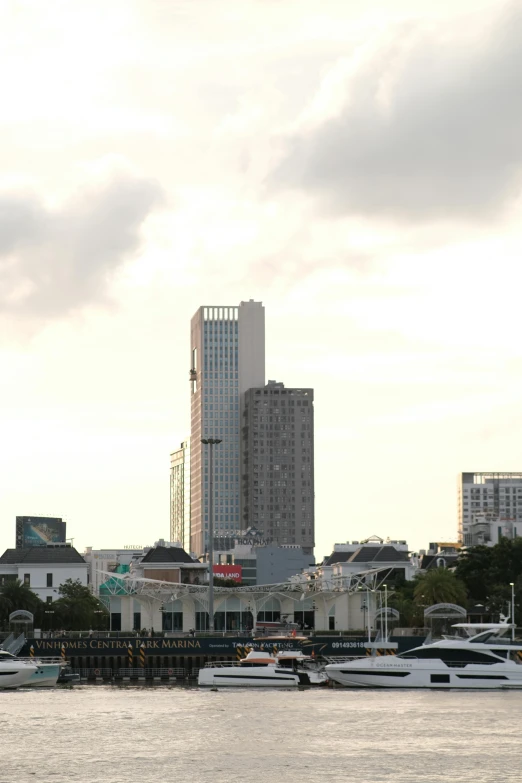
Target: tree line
[76, 609]
[481, 579]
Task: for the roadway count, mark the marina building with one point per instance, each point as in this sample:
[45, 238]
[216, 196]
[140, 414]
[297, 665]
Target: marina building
[277, 454]
[227, 357]
[44, 568]
[180, 495]
[346, 604]
[498, 496]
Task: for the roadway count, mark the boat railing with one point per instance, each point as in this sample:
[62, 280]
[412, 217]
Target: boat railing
[106, 673]
[221, 664]
[42, 661]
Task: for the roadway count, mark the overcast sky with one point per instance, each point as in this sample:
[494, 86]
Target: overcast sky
[357, 166]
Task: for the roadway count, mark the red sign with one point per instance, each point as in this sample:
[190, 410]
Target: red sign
[229, 572]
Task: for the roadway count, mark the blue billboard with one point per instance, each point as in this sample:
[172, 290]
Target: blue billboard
[39, 531]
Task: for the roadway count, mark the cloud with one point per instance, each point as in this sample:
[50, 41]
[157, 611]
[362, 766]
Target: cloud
[428, 126]
[57, 260]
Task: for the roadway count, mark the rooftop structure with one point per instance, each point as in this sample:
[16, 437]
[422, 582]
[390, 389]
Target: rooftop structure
[39, 531]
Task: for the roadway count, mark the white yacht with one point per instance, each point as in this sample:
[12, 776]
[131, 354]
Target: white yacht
[44, 673]
[483, 660]
[14, 672]
[286, 669]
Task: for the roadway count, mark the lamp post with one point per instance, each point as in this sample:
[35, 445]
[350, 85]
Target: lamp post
[98, 611]
[210, 442]
[385, 613]
[512, 611]
[368, 614]
[51, 612]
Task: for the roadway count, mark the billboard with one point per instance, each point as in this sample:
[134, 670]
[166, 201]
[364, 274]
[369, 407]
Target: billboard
[228, 572]
[39, 531]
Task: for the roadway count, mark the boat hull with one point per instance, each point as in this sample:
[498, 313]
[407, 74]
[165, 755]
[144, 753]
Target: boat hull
[423, 674]
[242, 679]
[45, 676]
[14, 676]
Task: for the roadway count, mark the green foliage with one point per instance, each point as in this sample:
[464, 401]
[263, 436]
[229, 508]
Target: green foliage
[488, 571]
[16, 595]
[434, 587]
[439, 586]
[77, 608]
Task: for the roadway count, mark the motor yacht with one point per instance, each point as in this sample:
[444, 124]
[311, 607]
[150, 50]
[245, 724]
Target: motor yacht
[44, 673]
[486, 659]
[286, 669]
[13, 671]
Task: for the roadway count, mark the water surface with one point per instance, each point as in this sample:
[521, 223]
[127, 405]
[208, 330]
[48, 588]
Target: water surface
[126, 733]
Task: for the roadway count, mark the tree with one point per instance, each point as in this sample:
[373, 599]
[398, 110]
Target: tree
[402, 599]
[16, 595]
[77, 609]
[488, 571]
[439, 586]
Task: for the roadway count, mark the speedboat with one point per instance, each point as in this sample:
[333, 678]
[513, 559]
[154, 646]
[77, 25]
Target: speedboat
[484, 660]
[259, 669]
[43, 673]
[14, 672]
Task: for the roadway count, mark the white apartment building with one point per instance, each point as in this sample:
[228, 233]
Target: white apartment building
[498, 496]
[44, 568]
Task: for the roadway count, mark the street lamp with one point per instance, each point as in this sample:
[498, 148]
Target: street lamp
[210, 442]
[51, 612]
[512, 611]
[385, 613]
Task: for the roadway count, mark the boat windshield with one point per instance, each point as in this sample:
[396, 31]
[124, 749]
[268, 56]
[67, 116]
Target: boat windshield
[481, 633]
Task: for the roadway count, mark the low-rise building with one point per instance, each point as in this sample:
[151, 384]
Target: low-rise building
[441, 554]
[374, 552]
[487, 529]
[170, 564]
[103, 561]
[44, 568]
[162, 565]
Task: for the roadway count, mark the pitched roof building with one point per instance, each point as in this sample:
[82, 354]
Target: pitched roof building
[44, 568]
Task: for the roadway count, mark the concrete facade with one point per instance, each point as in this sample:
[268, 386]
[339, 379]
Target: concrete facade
[264, 565]
[227, 356]
[498, 495]
[180, 495]
[278, 493]
[343, 612]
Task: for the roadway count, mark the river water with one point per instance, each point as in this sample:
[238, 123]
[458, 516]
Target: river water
[90, 734]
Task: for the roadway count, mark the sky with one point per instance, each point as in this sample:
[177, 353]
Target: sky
[357, 167]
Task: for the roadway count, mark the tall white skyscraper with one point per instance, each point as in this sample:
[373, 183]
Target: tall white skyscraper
[227, 354]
